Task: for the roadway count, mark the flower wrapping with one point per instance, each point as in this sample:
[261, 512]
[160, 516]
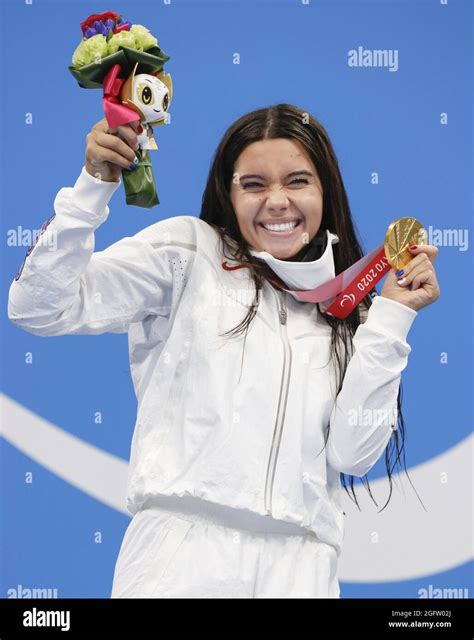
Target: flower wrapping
[125, 61]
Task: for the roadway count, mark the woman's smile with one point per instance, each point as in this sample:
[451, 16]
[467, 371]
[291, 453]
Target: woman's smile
[280, 228]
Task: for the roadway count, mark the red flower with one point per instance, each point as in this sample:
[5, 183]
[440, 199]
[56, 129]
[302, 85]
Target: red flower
[122, 27]
[89, 22]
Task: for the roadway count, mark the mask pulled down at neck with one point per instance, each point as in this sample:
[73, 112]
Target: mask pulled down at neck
[312, 267]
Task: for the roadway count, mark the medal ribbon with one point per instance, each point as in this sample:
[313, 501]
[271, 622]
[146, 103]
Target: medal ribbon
[347, 289]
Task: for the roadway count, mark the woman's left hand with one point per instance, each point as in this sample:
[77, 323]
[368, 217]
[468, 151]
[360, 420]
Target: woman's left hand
[420, 274]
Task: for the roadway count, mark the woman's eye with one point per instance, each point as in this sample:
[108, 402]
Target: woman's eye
[257, 184]
[249, 184]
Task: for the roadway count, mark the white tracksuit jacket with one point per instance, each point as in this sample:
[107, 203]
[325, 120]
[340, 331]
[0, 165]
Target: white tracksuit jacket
[244, 439]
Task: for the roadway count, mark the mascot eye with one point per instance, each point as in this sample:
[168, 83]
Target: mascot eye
[145, 93]
[165, 102]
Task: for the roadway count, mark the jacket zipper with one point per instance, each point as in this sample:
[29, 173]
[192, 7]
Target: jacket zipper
[282, 401]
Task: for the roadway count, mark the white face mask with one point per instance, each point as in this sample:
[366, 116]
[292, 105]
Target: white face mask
[303, 275]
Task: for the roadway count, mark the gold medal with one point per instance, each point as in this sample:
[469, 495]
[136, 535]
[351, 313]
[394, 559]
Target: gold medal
[401, 233]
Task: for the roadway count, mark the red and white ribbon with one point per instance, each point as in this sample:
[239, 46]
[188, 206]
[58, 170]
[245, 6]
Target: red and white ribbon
[346, 290]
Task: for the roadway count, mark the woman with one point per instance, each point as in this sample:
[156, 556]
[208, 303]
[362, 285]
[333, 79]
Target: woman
[246, 395]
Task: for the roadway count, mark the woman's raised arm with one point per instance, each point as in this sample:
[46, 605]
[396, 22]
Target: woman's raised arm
[63, 287]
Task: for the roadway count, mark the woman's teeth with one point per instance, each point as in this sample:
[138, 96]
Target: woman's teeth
[288, 226]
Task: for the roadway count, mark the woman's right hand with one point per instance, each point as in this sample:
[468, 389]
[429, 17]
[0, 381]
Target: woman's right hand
[108, 151]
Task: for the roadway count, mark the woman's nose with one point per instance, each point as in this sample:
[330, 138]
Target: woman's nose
[277, 198]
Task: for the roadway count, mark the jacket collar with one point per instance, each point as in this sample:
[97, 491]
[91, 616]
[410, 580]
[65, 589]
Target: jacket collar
[303, 275]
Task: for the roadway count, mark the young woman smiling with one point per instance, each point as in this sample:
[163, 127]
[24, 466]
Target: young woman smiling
[246, 395]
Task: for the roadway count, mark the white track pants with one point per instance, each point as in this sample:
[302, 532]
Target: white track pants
[183, 547]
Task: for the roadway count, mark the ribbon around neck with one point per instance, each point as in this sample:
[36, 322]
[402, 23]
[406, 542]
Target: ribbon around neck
[344, 292]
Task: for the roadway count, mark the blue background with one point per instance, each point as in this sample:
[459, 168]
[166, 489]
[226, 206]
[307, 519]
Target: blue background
[378, 120]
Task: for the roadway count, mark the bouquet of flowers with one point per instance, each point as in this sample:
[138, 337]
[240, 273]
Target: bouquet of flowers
[125, 61]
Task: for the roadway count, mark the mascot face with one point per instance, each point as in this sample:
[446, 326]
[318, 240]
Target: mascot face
[151, 96]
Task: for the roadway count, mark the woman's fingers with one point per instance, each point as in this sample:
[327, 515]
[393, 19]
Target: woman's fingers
[107, 155]
[103, 126]
[420, 259]
[424, 277]
[98, 154]
[114, 143]
[136, 126]
[128, 134]
[427, 249]
[414, 275]
[420, 264]
[109, 150]
[419, 276]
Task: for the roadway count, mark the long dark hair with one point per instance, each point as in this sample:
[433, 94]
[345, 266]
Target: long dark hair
[287, 121]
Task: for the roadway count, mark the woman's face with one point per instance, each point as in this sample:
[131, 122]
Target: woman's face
[275, 183]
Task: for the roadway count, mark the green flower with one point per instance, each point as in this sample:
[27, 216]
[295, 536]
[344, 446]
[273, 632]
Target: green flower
[122, 39]
[91, 50]
[143, 37]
